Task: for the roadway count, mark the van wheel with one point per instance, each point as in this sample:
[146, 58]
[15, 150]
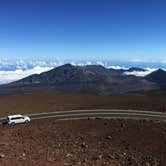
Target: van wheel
[26, 121]
[12, 123]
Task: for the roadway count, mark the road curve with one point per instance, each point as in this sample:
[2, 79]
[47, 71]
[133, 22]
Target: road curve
[99, 113]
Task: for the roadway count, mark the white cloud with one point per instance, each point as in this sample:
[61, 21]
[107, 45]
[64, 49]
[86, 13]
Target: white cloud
[9, 76]
[100, 63]
[141, 73]
[118, 67]
[89, 63]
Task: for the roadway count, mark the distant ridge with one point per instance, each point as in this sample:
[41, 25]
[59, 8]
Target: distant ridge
[84, 79]
[158, 76]
[135, 69]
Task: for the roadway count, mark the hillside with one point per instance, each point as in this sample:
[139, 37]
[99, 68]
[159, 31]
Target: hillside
[158, 76]
[85, 79]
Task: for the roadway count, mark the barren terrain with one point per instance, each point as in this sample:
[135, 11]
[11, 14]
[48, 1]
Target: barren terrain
[47, 102]
[84, 142]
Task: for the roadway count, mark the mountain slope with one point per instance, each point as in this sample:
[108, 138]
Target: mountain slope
[158, 76]
[85, 79]
[70, 73]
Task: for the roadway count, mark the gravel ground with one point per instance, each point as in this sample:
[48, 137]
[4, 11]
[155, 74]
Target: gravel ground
[47, 102]
[84, 142]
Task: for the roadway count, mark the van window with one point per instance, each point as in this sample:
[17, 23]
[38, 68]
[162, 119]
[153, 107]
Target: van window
[17, 118]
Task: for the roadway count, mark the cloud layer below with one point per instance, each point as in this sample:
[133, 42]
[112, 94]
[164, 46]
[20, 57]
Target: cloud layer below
[15, 70]
[141, 73]
[9, 76]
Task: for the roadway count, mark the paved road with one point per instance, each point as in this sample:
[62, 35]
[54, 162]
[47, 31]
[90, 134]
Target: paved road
[100, 113]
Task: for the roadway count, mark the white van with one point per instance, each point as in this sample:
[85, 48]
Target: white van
[14, 119]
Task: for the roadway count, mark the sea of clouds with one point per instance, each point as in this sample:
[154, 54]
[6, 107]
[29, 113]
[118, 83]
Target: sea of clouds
[18, 69]
[10, 76]
[141, 73]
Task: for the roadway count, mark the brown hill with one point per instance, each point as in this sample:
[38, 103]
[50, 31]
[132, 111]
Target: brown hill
[158, 76]
[85, 79]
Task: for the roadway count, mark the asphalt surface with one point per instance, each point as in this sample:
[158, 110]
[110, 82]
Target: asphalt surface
[99, 113]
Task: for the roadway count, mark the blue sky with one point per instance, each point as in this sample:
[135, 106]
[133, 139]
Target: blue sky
[83, 29]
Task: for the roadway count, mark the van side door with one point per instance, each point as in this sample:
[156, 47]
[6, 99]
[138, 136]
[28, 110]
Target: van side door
[17, 119]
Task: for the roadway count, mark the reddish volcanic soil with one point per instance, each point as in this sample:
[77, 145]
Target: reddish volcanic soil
[45, 102]
[84, 142]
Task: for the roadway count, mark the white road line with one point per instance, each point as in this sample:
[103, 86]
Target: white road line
[97, 110]
[98, 114]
